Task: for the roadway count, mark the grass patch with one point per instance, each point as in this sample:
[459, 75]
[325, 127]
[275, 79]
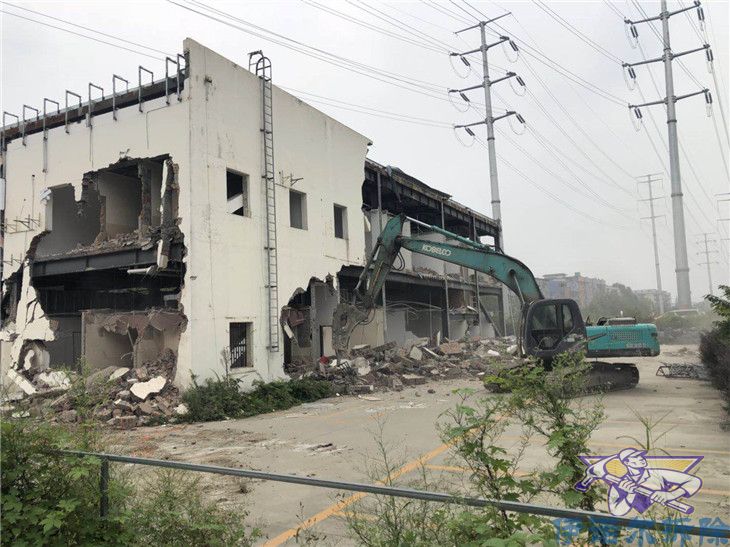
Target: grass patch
[221, 398]
[50, 499]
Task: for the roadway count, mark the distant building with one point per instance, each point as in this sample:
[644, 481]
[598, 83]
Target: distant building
[580, 288]
[651, 296]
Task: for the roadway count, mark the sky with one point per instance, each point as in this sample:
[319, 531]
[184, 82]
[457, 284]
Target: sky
[567, 178]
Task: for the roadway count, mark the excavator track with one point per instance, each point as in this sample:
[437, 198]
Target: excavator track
[605, 376]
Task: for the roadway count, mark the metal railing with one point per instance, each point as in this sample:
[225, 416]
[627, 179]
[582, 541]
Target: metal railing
[590, 518]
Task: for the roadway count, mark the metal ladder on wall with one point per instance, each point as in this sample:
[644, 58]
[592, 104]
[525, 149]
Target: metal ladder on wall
[261, 66]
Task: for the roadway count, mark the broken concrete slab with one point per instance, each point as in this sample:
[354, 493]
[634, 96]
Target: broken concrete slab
[181, 409]
[451, 348]
[512, 350]
[146, 408]
[416, 353]
[21, 381]
[119, 373]
[361, 365]
[124, 406]
[53, 379]
[493, 353]
[413, 379]
[142, 390]
[360, 389]
[99, 376]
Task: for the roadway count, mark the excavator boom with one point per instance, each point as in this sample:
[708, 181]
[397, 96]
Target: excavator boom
[547, 327]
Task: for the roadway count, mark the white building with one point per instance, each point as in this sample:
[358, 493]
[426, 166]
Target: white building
[140, 226]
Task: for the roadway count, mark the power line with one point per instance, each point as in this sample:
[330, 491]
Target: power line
[405, 27]
[572, 29]
[424, 88]
[369, 26]
[90, 29]
[82, 35]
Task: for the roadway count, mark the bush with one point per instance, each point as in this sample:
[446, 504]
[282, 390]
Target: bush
[174, 513]
[715, 354]
[221, 398]
[50, 499]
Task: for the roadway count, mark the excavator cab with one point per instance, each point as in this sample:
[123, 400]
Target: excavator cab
[551, 327]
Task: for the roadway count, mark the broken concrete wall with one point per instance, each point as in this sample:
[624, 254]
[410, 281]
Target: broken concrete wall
[160, 130]
[226, 275]
[67, 222]
[214, 127]
[129, 339]
[122, 198]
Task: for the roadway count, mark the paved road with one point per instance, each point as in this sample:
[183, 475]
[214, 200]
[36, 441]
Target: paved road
[334, 439]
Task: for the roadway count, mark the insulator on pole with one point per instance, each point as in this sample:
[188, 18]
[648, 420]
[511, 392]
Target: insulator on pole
[463, 60]
[708, 102]
[514, 48]
[522, 124]
[463, 96]
[520, 89]
[710, 58]
[632, 35]
[630, 77]
[460, 139]
[637, 119]
[457, 106]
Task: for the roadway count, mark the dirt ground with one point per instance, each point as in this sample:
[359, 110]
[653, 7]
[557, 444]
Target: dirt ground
[335, 439]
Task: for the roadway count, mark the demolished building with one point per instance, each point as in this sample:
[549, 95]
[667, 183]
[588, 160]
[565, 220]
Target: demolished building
[211, 216]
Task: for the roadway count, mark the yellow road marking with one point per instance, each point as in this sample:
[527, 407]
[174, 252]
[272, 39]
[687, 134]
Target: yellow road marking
[339, 506]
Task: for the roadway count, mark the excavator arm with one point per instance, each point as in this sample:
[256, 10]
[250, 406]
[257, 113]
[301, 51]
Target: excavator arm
[547, 327]
[483, 258]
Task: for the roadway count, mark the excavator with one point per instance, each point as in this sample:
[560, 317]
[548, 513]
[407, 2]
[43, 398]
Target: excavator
[547, 328]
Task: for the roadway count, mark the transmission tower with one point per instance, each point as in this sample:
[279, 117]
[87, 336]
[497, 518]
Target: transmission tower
[489, 120]
[707, 252]
[684, 297]
[650, 179]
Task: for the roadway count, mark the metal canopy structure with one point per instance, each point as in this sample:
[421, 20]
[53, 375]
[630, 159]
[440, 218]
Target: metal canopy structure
[402, 193]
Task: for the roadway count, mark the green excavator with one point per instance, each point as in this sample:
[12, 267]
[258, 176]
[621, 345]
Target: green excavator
[548, 327]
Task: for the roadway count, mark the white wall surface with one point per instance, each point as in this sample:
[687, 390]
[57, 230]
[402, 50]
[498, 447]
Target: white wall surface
[226, 268]
[216, 126]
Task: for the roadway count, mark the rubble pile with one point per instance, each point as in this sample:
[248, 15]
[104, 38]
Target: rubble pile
[121, 397]
[389, 367]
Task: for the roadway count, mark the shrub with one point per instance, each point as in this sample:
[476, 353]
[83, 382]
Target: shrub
[715, 354]
[221, 398]
[51, 499]
[173, 512]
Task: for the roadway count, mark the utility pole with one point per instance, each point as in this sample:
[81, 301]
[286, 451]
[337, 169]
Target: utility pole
[684, 297]
[707, 261]
[660, 294]
[489, 120]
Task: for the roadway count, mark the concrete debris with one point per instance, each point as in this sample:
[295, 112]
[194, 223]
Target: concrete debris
[142, 390]
[21, 381]
[181, 409]
[416, 353]
[389, 367]
[119, 373]
[122, 397]
[53, 379]
[99, 376]
[413, 379]
[512, 350]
